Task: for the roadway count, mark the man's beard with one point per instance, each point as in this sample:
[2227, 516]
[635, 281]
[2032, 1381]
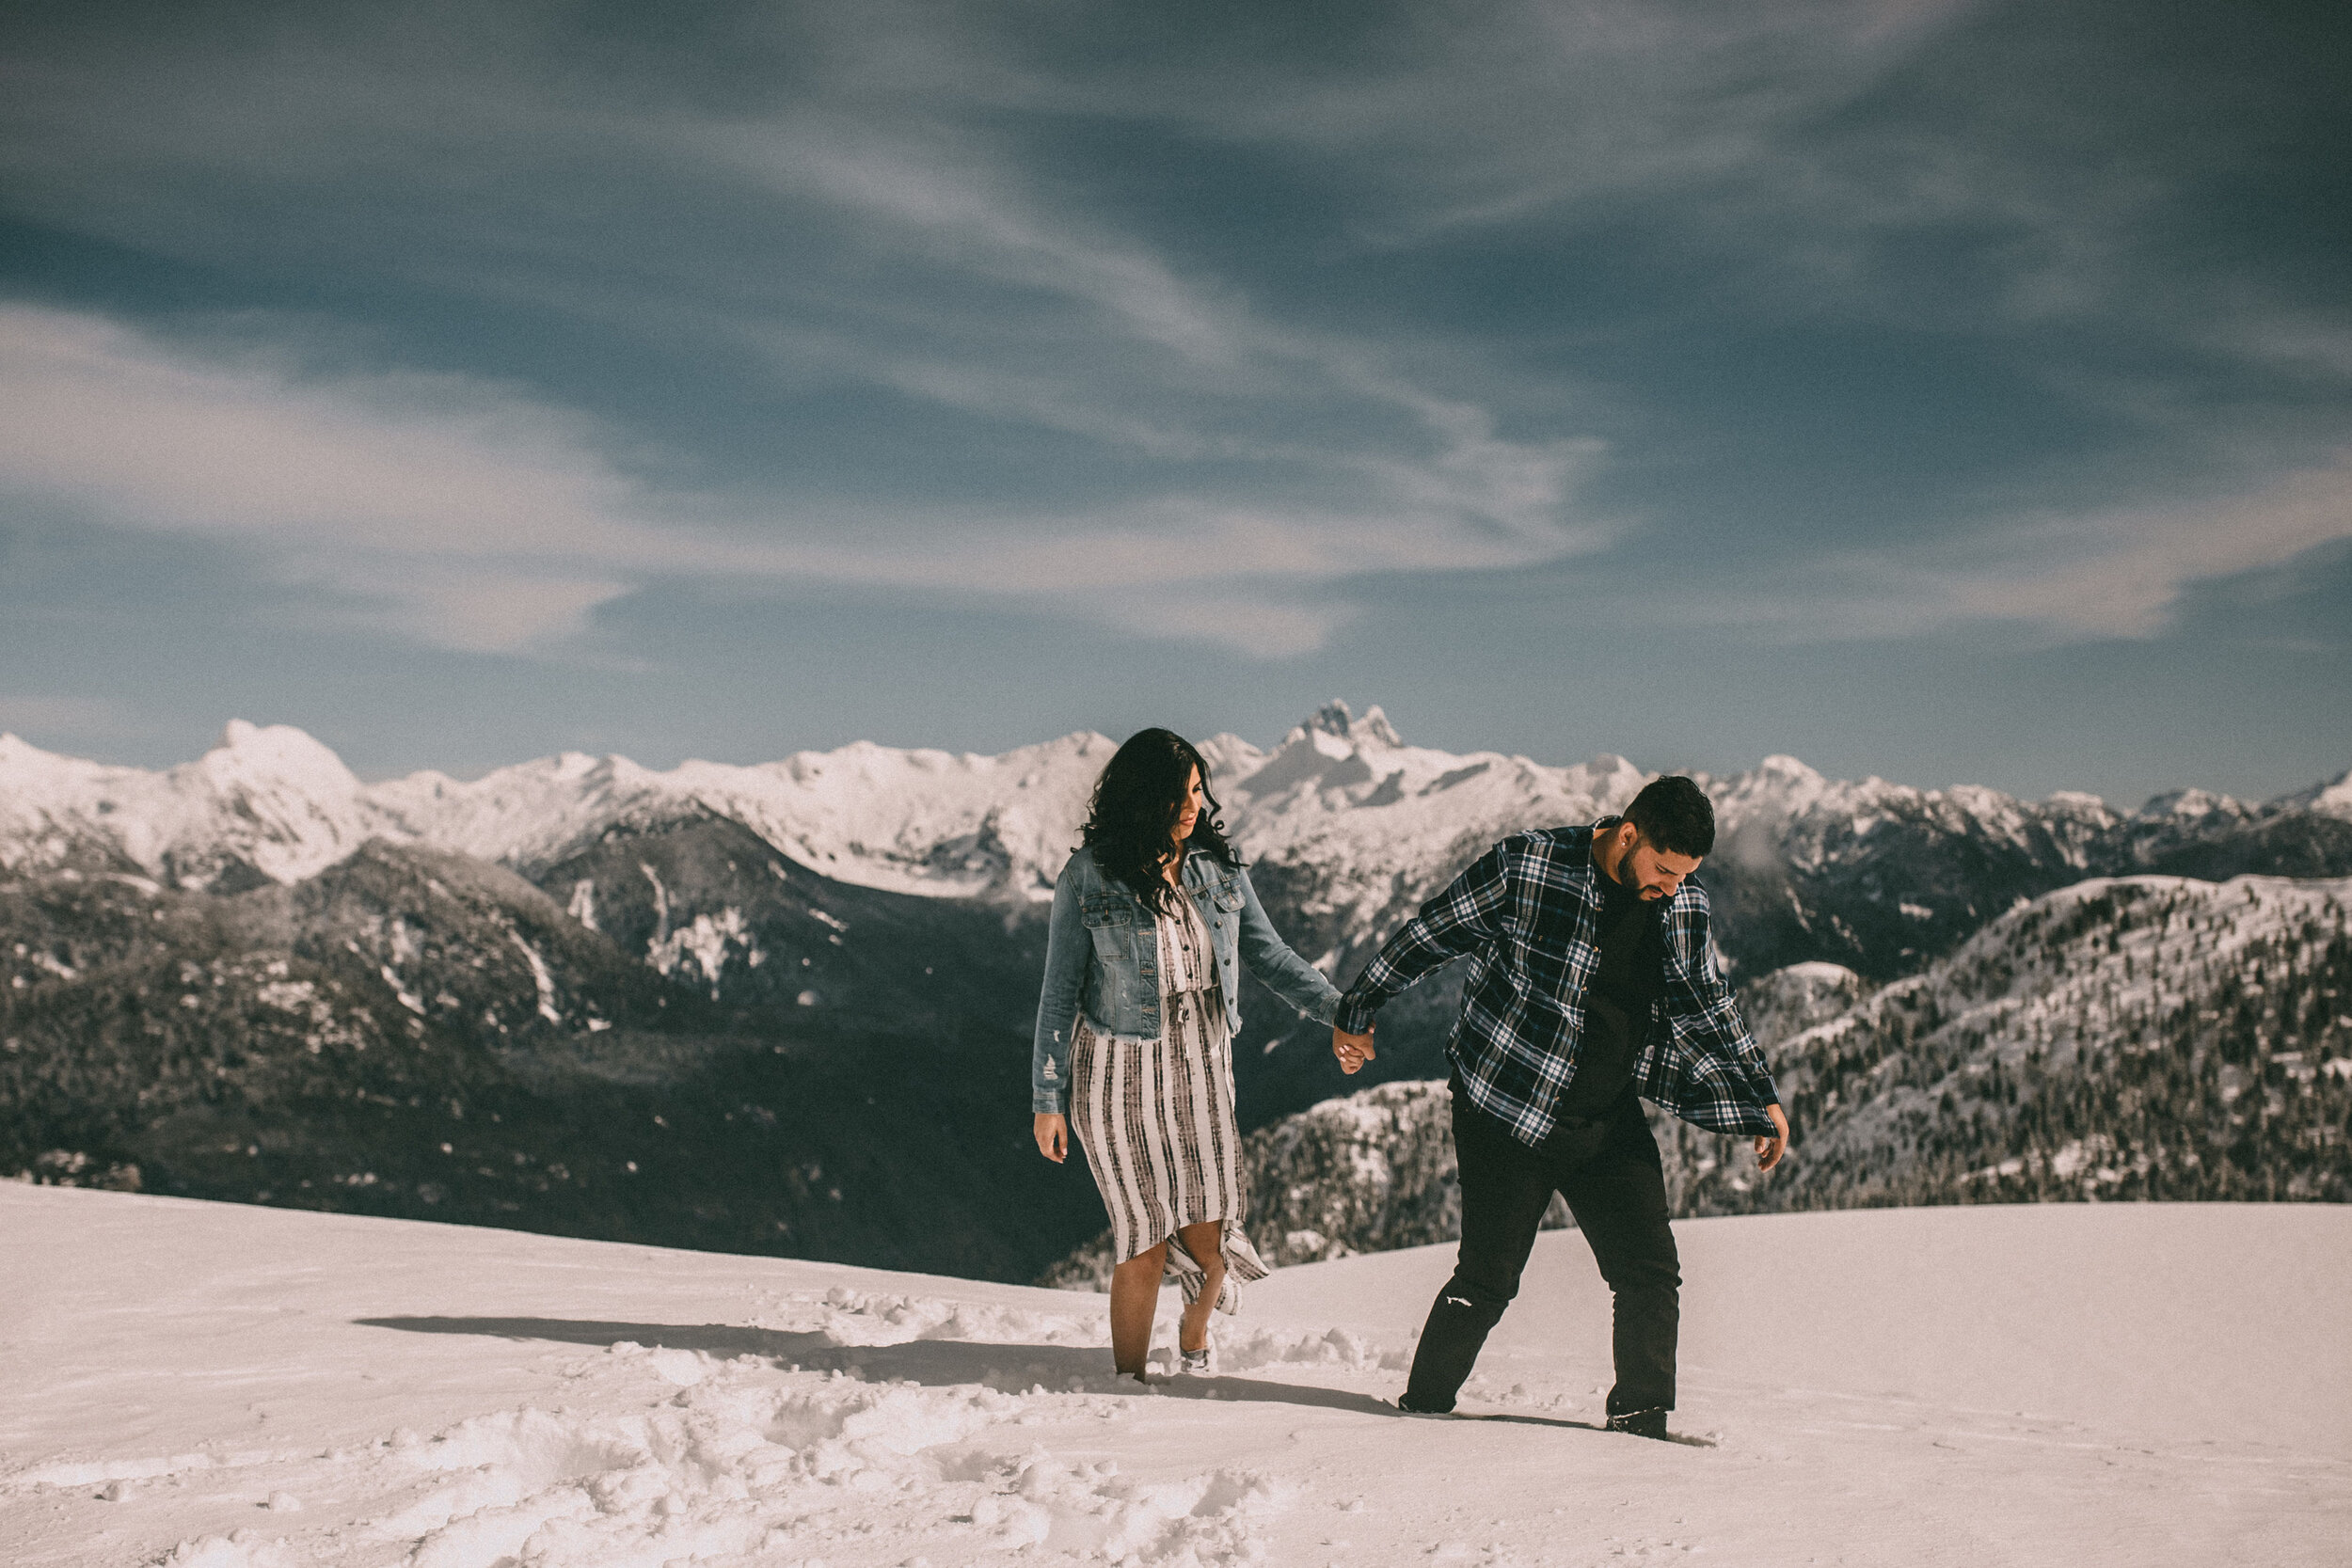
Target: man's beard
[1624, 876]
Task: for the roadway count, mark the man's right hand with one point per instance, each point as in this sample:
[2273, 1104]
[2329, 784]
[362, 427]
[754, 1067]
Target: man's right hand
[1353, 1051]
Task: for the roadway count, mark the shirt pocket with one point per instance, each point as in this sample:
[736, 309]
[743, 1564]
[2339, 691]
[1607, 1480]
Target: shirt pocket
[1552, 956]
[1226, 897]
[1110, 921]
[1556, 927]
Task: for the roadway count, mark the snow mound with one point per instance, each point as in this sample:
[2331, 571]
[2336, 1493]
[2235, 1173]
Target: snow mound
[740, 1467]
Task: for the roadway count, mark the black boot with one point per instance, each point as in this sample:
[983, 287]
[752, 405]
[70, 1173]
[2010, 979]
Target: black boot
[1641, 1423]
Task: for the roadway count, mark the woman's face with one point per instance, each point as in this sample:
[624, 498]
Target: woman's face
[1189, 813]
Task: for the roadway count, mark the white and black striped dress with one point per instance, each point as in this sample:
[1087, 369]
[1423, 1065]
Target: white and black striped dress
[1155, 1117]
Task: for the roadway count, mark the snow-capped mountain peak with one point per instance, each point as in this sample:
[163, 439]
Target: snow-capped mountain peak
[1778, 787]
[1367, 824]
[1795, 772]
[2332, 799]
[277, 751]
[2192, 805]
[270, 798]
[1335, 718]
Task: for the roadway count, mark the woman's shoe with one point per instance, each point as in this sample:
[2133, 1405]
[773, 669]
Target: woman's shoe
[1197, 1363]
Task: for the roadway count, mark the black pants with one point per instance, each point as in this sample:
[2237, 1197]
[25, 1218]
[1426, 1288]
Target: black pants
[1610, 1174]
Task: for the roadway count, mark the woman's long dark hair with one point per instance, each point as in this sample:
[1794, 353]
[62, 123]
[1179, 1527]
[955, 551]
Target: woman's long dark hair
[1131, 822]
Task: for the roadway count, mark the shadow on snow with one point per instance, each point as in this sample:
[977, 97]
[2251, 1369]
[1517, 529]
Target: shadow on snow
[934, 1363]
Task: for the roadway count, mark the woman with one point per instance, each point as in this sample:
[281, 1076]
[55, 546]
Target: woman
[1153, 917]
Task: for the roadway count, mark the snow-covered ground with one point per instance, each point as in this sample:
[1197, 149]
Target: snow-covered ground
[244, 1387]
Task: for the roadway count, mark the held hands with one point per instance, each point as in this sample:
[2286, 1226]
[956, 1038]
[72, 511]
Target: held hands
[1768, 1150]
[1353, 1051]
[1053, 1136]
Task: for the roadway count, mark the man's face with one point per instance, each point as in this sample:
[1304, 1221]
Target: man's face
[1652, 872]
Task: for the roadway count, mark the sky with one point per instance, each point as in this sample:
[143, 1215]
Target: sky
[1959, 393]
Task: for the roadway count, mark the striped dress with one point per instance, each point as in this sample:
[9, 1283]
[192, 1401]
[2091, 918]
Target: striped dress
[1155, 1118]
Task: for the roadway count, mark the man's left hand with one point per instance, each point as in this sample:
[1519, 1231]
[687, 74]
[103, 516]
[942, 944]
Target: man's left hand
[1768, 1150]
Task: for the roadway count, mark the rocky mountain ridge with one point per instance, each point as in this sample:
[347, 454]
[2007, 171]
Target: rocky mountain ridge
[1362, 827]
[801, 992]
[802, 1067]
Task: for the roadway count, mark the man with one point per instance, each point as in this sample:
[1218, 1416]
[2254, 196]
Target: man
[1591, 986]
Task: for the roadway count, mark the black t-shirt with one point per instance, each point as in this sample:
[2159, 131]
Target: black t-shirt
[1630, 977]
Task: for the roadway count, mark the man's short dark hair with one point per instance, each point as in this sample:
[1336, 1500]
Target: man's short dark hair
[1676, 816]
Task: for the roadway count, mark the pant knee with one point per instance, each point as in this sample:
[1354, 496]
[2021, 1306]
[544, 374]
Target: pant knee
[1485, 1278]
[1647, 1276]
[1474, 1300]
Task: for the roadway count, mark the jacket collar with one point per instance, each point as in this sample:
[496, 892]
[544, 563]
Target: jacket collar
[1193, 873]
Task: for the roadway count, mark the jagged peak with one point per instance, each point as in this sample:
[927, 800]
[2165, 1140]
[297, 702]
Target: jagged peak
[2079, 801]
[1375, 725]
[1332, 718]
[2331, 799]
[1782, 766]
[279, 752]
[2191, 803]
[1337, 719]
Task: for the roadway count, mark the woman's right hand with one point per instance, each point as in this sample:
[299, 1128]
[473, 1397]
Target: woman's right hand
[1053, 1136]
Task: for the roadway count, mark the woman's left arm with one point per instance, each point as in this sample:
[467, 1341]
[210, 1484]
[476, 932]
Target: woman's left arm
[1280, 970]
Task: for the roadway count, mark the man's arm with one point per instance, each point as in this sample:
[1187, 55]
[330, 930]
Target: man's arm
[1723, 1032]
[1468, 915]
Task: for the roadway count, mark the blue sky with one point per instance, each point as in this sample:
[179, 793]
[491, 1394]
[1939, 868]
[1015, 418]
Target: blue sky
[1955, 392]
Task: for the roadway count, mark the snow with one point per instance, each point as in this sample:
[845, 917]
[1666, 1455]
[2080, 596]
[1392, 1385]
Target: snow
[701, 949]
[2010, 985]
[1816, 974]
[242, 1387]
[2332, 799]
[541, 978]
[2191, 805]
[272, 797]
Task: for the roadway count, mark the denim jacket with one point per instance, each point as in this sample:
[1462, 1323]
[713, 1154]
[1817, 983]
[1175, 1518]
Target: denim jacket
[1102, 957]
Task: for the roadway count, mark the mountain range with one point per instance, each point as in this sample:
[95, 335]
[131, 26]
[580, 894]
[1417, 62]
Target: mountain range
[785, 1006]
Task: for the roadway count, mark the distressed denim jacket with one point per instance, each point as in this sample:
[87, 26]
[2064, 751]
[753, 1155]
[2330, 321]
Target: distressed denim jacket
[1102, 959]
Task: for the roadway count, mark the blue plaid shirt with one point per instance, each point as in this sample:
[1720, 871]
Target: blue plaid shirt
[1528, 915]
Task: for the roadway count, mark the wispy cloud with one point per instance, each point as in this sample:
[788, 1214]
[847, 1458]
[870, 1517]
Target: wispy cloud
[449, 506]
[1240, 312]
[473, 516]
[2052, 578]
[2122, 573]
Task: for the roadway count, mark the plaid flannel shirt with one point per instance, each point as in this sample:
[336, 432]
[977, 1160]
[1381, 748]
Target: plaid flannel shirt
[1527, 914]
